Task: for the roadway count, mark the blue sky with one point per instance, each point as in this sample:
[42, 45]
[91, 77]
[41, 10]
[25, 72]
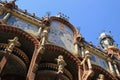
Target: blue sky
[92, 16]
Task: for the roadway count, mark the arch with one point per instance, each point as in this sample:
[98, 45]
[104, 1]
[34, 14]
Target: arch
[16, 52]
[25, 38]
[14, 68]
[53, 51]
[10, 29]
[64, 52]
[97, 69]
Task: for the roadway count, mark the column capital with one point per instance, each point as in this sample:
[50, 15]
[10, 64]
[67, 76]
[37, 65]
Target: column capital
[45, 31]
[109, 59]
[114, 62]
[87, 52]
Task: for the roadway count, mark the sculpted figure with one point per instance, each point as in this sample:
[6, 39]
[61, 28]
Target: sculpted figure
[11, 44]
[61, 64]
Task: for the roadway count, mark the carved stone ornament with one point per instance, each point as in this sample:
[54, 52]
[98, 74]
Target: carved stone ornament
[11, 44]
[112, 51]
[10, 4]
[101, 77]
[45, 21]
[77, 37]
[61, 64]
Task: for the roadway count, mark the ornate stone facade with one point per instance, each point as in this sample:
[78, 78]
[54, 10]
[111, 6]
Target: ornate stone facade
[51, 48]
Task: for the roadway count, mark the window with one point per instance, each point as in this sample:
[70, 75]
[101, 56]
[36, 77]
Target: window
[93, 58]
[99, 61]
[103, 63]
[2, 15]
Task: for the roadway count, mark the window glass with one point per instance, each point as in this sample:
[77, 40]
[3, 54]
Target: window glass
[2, 15]
[99, 61]
[93, 58]
[103, 63]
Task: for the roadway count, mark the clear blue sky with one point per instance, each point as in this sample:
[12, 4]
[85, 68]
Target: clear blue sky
[92, 16]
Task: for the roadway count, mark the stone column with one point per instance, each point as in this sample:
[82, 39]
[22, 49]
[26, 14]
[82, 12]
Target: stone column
[45, 35]
[82, 51]
[110, 67]
[6, 17]
[79, 73]
[116, 69]
[36, 55]
[76, 49]
[32, 71]
[40, 30]
[88, 60]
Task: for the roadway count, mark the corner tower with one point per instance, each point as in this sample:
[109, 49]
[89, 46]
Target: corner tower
[106, 40]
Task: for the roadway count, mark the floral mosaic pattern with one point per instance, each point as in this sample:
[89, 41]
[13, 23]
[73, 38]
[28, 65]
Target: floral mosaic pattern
[17, 22]
[61, 35]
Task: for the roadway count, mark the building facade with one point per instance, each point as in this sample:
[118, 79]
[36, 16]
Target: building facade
[51, 48]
